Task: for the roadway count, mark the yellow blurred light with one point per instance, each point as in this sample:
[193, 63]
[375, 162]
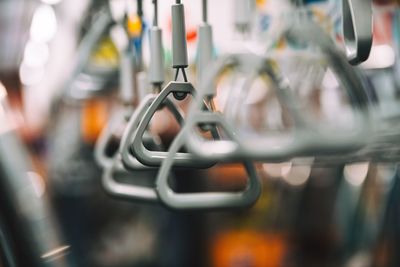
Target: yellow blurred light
[134, 26]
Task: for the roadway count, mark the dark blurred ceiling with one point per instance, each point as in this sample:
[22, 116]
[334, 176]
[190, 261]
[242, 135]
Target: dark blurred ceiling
[15, 19]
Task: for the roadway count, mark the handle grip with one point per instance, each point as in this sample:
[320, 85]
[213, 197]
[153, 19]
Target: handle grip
[155, 158]
[242, 14]
[101, 157]
[122, 190]
[205, 49]
[128, 159]
[205, 200]
[156, 71]
[357, 29]
[179, 46]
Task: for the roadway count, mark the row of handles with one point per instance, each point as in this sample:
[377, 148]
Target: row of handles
[134, 156]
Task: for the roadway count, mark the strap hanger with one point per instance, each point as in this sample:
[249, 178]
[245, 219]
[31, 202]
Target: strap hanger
[243, 15]
[126, 89]
[204, 200]
[247, 197]
[205, 43]
[127, 157]
[180, 90]
[125, 190]
[124, 160]
[235, 149]
[156, 73]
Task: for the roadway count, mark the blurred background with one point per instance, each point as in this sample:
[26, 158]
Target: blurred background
[56, 100]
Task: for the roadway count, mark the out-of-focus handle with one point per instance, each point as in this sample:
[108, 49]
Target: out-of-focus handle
[205, 200]
[128, 159]
[205, 45]
[156, 70]
[357, 29]
[123, 190]
[205, 49]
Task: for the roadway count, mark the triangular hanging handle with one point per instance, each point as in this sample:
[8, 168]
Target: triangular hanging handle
[128, 158]
[123, 190]
[204, 200]
[155, 158]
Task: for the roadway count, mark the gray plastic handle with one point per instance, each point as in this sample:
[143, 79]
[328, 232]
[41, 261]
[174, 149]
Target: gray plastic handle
[205, 200]
[306, 140]
[155, 158]
[122, 190]
[128, 158]
[126, 94]
[206, 45]
[156, 71]
[242, 14]
[179, 46]
[357, 29]
[205, 49]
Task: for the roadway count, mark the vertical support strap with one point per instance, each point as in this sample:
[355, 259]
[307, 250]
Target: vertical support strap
[179, 46]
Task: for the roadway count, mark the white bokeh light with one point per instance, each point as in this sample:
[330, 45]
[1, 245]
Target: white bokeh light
[51, 2]
[36, 54]
[356, 173]
[30, 76]
[44, 24]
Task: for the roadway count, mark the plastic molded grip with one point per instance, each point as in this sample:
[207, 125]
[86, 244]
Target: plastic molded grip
[155, 158]
[242, 13]
[157, 56]
[179, 46]
[205, 49]
[205, 200]
[123, 190]
[357, 29]
[128, 158]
